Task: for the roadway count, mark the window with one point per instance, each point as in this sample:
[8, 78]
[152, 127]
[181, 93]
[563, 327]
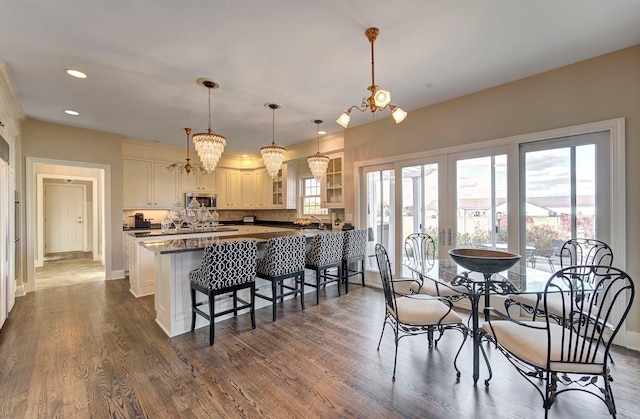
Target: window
[310, 196]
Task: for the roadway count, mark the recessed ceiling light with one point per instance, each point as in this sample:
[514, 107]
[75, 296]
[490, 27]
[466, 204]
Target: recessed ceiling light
[71, 112]
[245, 155]
[322, 132]
[75, 73]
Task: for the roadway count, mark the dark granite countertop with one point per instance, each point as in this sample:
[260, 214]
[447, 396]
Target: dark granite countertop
[199, 243]
[160, 233]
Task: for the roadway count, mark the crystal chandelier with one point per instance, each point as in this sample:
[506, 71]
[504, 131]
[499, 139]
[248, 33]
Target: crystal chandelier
[186, 167]
[379, 99]
[273, 154]
[209, 145]
[318, 163]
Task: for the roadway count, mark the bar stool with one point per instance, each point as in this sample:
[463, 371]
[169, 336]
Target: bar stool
[283, 258]
[355, 250]
[325, 252]
[226, 268]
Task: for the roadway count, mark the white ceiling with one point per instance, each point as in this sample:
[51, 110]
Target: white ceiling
[309, 56]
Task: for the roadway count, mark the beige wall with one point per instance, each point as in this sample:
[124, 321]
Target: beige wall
[599, 89]
[60, 142]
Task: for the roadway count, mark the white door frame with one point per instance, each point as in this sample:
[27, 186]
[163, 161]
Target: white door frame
[33, 202]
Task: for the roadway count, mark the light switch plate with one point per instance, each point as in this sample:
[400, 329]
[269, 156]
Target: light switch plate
[348, 218]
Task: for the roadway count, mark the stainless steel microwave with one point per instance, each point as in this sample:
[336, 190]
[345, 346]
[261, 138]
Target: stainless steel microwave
[205, 200]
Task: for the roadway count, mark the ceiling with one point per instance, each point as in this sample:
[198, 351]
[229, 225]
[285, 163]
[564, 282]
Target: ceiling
[311, 57]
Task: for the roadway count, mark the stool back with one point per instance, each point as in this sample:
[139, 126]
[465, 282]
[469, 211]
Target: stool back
[282, 255]
[325, 249]
[355, 244]
[227, 264]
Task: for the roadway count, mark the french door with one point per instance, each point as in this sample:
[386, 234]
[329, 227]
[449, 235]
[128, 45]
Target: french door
[517, 197]
[566, 188]
[380, 211]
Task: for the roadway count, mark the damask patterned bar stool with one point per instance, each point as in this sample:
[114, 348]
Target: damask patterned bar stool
[325, 252]
[283, 258]
[354, 252]
[226, 268]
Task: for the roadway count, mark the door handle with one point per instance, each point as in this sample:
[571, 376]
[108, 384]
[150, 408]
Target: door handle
[450, 237]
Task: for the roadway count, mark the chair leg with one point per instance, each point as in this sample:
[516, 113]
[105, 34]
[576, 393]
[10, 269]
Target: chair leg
[339, 276]
[253, 305]
[193, 309]
[274, 287]
[235, 303]
[318, 286]
[362, 271]
[343, 273]
[211, 318]
[301, 279]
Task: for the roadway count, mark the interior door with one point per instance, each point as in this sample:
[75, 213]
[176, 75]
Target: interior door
[64, 218]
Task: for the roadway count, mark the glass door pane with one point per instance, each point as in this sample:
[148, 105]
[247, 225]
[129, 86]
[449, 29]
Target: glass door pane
[560, 196]
[420, 202]
[481, 196]
[380, 213]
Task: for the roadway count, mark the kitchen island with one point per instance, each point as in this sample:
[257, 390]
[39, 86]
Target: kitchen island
[175, 256]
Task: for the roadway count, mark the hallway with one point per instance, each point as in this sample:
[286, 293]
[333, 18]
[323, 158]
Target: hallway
[63, 269]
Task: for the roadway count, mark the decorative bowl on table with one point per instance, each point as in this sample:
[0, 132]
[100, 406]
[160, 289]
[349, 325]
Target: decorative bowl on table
[484, 261]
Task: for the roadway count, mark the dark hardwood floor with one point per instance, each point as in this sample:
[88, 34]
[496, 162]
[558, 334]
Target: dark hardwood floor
[94, 351]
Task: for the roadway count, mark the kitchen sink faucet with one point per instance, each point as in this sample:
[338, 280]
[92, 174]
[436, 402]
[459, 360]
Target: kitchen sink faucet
[321, 225]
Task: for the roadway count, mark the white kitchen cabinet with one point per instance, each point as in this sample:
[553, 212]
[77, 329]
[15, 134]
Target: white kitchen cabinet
[261, 189]
[228, 189]
[332, 192]
[199, 182]
[283, 188]
[148, 184]
[246, 190]
[164, 186]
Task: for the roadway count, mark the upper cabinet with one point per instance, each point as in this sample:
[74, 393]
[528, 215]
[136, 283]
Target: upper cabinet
[246, 190]
[228, 189]
[261, 189]
[148, 184]
[199, 182]
[332, 196]
[283, 188]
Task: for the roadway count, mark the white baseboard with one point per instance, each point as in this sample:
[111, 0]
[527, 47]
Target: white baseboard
[119, 274]
[20, 291]
[633, 341]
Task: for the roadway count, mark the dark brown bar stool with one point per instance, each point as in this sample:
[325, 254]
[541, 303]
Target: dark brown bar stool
[283, 258]
[226, 268]
[354, 252]
[325, 252]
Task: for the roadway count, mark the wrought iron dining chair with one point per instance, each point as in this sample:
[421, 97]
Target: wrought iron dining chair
[283, 259]
[226, 268]
[420, 253]
[325, 253]
[575, 353]
[411, 315]
[573, 252]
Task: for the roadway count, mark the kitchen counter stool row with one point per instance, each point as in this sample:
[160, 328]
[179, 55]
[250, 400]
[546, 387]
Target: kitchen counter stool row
[230, 266]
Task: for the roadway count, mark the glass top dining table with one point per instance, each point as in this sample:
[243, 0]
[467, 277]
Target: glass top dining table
[519, 279]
